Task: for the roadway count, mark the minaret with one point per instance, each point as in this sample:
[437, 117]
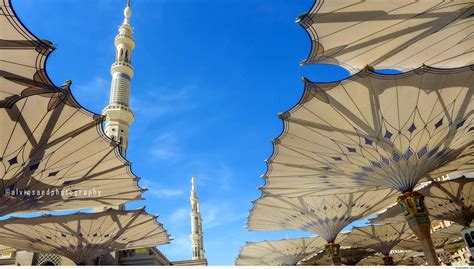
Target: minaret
[197, 244]
[118, 114]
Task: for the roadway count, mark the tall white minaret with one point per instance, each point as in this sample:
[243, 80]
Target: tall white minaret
[197, 243]
[118, 114]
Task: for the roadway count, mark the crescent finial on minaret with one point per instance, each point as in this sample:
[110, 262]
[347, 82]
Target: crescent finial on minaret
[127, 12]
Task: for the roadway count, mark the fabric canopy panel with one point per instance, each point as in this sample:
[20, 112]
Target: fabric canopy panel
[399, 258]
[82, 237]
[446, 200]
[442, 238]
[6, 249]
[22, 59]
[325, 216]
[382, 238]
[57, 151]
[374, 131]
[451, 200]
[349, 256]
[402, 34]
[281, 252]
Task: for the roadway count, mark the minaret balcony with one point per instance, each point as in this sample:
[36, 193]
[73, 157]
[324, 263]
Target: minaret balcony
[125, 39]
[125, 35]
[122, 67]
[118, 112]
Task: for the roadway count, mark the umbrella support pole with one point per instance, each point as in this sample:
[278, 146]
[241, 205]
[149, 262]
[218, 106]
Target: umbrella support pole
[388, 260]
[333, 251]
[416, 214]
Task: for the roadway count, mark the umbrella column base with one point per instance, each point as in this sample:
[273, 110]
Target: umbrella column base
[416, 215]
[388, 260]
[333, 251]
[468, 235]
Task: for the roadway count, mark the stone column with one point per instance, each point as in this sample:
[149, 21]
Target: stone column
[416, 214]
[333, 251]
[388, 260]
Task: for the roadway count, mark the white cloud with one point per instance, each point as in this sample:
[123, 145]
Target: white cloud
[214, 215]
[217, 174]
[167, 192]
[166, 147]
[158, 191]
[93, 93]
[160, 102]
[179, 248]
[164, 153]
[179, 215]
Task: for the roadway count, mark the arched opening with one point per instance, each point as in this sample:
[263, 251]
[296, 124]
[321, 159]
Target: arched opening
[469, 240]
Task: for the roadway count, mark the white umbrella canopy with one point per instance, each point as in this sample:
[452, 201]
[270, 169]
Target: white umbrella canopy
[82, 237]
[51, 144]
[395, 34]
[450, 200]
[325, 216]
[22, 59]
[374, 131]
[280, 252]
[349, 256]
[399, 257]
[444, 237]
[6, 249]
[382, 238]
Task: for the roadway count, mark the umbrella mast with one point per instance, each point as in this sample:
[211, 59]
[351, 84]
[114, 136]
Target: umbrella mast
[118, 114]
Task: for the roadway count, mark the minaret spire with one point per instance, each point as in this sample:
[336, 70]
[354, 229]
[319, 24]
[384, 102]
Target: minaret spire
[118, 114]
[197, 244]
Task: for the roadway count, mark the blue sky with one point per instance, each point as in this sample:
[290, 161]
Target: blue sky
[210, 78]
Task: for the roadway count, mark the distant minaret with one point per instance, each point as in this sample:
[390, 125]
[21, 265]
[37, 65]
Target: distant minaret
[118, 114]
[197, 244]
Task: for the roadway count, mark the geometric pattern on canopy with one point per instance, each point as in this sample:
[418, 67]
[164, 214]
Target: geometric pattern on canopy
[446, 200]
[82, 237]
[325, 216]
[381, 238]
[22, 59]
[399, 257]
[402, 34]
[441, 238]
[374, 131]
[451, 200]
[349, 256]
[49, 142]
[280, 252]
